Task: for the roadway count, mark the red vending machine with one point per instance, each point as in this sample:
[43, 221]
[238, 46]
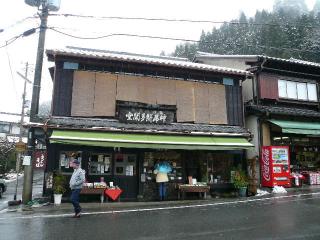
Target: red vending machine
[275, 166]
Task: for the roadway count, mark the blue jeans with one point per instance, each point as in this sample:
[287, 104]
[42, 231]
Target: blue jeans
[162, 190]
[75, 197]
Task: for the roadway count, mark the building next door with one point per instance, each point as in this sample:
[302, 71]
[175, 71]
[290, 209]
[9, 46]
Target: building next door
[125, 174]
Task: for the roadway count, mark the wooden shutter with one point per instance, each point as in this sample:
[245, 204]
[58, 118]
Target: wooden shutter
[83, 93]
[185, 101]
[201, 96]
[105, 95]
[217, 104]
[127, 88]
[166, 92]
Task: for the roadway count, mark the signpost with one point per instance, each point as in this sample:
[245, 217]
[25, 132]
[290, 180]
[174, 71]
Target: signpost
[20, 147]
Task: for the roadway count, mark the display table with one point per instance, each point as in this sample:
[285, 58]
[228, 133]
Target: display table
[93, 191]
[187, 188]
[113, 193]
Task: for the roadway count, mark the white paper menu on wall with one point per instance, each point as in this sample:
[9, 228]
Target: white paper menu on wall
[107, 160]
[62, 160]
[100, 158]
[129, 170]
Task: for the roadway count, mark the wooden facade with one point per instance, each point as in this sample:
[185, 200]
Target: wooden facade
[94, 94]
[97, 89]
[268, 86]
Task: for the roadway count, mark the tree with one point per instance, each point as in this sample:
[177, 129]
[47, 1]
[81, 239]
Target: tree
[290, 7]
[45, 109]
[316, 7]
[7, 158]
[289, 31]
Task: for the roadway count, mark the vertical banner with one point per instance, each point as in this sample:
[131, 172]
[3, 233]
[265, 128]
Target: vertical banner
[40, 160]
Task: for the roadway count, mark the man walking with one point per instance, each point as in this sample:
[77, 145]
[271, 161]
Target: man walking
[76, 182]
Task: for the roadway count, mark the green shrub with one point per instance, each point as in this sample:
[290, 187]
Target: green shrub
[240, 179]
[59, 184]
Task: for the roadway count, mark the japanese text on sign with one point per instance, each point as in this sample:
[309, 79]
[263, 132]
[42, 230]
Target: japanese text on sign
[142, 117]
[40, 158]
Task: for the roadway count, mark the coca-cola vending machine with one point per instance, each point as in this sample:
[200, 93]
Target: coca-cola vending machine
[275, 166]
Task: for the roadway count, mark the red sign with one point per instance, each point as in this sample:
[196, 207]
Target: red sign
[266, 164]
[40, 160]
[113, 193]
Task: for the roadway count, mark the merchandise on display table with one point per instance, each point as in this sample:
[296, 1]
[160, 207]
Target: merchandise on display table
[99, 185]
[297, 179]
[311, 178]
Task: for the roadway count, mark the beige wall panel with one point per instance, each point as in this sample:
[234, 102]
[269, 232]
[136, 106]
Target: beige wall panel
[105, 94]
[266, 138]
[185, 101]
[166, 92]
[201, 100]
[217, 104]
[127, 88]
[147, 89]
[82, 93]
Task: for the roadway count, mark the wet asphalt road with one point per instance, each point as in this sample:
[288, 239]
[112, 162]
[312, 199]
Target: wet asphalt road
[11, 187]
[287, 218]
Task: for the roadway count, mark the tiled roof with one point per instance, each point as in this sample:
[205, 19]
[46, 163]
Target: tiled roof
[256, 58]
[146, 59]
[174, 128]
[289, 111]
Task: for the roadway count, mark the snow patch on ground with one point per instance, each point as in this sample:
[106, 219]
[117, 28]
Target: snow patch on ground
[262, 192]
[279, 189]
[11, 177]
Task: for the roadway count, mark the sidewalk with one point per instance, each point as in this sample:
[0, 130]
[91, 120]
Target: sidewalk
[96, 207]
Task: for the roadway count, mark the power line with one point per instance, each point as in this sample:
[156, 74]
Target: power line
[233, 22]
[180, 39]
[122, 34]
[24, 34]
[17, 22]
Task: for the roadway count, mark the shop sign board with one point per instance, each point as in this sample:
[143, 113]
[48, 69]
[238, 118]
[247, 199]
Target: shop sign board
[139, 115]
[40, 160]
[20, 146]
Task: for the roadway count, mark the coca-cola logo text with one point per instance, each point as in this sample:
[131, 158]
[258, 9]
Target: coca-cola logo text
[265, 164]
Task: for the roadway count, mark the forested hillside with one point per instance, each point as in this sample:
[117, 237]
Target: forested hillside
[290, 30]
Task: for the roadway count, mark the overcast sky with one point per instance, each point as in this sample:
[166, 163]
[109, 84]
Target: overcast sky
[24, 49]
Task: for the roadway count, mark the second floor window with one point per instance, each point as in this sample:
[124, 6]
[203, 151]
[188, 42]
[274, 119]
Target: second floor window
[297, 90]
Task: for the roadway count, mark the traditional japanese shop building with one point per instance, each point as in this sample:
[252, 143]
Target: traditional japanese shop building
[120, 113]
[281, 105]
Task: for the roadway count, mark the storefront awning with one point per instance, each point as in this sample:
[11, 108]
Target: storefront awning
[308, 128]
[159, 141]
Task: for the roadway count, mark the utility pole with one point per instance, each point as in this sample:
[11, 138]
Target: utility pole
[28, 171]
[21, 129]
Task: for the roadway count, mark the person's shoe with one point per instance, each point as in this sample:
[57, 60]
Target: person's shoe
[77, 215]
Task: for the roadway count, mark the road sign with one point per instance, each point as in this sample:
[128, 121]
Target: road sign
[21, 146]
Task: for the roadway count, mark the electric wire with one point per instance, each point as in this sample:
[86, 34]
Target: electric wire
[11, 73]
[17, 23]
[24, 34]
[233, 22]
[178, 39]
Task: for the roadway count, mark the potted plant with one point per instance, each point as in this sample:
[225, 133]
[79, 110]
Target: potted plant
[59, 182]
[240, 182]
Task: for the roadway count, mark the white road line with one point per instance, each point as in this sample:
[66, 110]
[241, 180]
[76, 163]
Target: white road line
[166, 208]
